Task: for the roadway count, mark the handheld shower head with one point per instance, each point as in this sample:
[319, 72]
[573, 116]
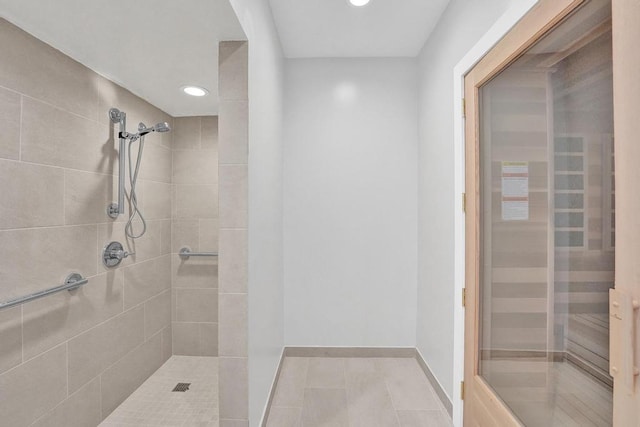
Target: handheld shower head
[158, 127]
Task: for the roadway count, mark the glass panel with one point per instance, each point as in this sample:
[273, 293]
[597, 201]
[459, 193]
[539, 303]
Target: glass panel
[547, 225]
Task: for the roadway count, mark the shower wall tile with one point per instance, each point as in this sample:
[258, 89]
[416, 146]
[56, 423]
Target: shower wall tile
[95, 350]
[28, 264]
[197, 305]
[187, 133]
[185, 232]
[146, 279]
[233, 67]
[234, 388]
[53, 77]
[234, 131]
[126, 375]
[209, 234]
[81, 409]
[10, 124]
[59, 317]
[209, 133]
[186, 339]
[51, 136]
[195, 167]
[157, 314]
[11, 338]
[85, 194]
[58, 173]
[156, 201]
[233, 196]
[233, 314]
[208, 339]
[233, 261]
[36, 387]
[42, 205]
[196, 201]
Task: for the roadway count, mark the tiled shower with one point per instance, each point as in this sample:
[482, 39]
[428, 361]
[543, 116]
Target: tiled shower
[72, 357]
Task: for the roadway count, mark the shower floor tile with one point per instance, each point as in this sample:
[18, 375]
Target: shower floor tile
[155, 404]
[355, 392]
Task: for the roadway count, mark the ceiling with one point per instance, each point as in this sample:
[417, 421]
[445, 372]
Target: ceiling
[335, 28]
[151, 47]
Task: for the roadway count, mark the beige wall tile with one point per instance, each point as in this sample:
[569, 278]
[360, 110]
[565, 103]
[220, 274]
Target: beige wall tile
[42, 205]
[10, 124]
[185, 232]
[165, 237]
[233, 196]
[209, 231]
[186, 133]
[81, 409]
[234, 132]
[197, 305]
[51, 136]
[209, 130]
[145, 248]
[156, 163]
[196, 201]
[233, 325]
[208, 339]
[86, 197]
[10, 337]
[186, 339]
[157, 313]
[74, 247]
[233, 261]
[95, 350]
[234, 393]
[59, 317]
[33, 388]
[194, 272]
[121, 379]
[167, 339]
[156, 202]
[232, 70]
[54, 77]
[146, 279]
[193, 167]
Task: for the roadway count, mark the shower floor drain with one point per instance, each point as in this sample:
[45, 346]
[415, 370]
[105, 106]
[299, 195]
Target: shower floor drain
[181, 387]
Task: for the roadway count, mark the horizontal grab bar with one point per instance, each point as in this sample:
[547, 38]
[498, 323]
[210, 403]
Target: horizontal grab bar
[72, 282]
[185, 253]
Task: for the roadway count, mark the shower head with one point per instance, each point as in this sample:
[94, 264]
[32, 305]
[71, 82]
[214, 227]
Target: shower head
[159, 127]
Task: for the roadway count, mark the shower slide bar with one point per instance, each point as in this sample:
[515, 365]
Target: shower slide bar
[72, 282]
[185, 253]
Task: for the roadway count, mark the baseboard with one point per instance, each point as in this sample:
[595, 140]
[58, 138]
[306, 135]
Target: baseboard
[272, 391]
[349, 352]
[442, 395]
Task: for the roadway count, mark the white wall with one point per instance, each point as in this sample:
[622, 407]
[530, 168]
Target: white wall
[350, 202]
[266, 327]
[460, 27]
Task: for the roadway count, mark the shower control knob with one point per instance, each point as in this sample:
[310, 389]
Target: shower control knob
[114, 253]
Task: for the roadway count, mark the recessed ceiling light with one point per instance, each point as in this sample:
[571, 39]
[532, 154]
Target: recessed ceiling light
[195, 90]
[359, 2]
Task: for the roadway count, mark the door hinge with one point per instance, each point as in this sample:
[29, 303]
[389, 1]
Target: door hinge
[464, 202]
[464, 107]
[464, 297]
[461, 390]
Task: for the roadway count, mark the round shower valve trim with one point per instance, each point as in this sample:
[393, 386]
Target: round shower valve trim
[114, 253]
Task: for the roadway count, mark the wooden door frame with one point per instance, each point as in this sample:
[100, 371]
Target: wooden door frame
[480, 399]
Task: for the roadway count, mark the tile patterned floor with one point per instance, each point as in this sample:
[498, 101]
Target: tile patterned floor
[355, 392]
[154, 404]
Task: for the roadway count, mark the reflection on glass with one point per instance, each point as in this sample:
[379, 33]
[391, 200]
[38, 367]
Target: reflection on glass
[547, 225]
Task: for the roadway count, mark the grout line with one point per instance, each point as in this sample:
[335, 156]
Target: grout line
[21, 334]
[21, 128]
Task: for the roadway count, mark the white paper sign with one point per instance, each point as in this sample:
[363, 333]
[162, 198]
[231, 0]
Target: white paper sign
[515, 191]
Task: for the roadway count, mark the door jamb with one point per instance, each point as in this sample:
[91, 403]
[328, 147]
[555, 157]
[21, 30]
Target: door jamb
[471, 58]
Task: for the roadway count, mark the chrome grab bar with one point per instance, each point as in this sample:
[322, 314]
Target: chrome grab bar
[185, 253]
[72, 282]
